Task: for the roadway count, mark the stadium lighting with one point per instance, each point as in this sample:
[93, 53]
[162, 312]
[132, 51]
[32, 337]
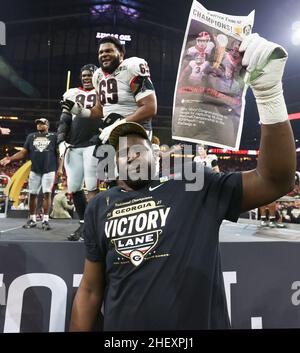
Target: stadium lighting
[9, 118]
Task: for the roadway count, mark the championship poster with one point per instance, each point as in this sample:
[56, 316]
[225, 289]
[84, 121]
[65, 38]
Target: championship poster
[209, 97]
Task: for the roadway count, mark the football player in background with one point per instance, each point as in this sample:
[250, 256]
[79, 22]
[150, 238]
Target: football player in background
[209, 160]
[124, 90]
[76, 148]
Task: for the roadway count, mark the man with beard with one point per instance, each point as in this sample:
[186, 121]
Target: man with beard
[152, 247]
[124, 90]
[76, 147]
[40, 147]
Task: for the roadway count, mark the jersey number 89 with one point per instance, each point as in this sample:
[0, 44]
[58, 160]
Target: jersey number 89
[87, 101]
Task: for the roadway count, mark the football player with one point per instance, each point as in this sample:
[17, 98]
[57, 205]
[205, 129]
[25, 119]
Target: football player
[124, 90]
[76, 147]
[208, 160]
[203, 47]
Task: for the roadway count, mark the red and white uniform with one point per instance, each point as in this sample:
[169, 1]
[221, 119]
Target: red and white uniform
[86, 97]
[197, 71]
[231, 64]
[115, 90]
[80, 163]
[203, 51]
[207, 161]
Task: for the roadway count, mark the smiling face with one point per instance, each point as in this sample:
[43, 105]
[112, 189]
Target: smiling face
[86, 79]
[134, 160]
[109, 57]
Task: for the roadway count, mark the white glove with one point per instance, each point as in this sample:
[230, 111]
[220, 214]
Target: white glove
[75, 108]
[264, 62]
[62, 148]
[104, 136]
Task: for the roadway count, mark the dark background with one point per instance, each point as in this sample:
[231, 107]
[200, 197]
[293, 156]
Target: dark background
[45, 39]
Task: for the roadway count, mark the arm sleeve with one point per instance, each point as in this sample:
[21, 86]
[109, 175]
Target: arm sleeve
[64, 127]
[92, 234]
[65, 121]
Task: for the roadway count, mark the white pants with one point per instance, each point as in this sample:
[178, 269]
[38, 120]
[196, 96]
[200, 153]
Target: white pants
[81, 165]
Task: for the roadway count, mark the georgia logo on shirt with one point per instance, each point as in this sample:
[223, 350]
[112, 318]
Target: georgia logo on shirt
[41, 143]
[134, 230]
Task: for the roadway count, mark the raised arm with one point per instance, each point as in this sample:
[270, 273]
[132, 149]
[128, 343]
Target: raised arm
[88, 299]
[274, 175]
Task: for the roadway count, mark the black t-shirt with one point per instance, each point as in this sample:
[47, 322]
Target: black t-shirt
[82, 130]
[160, 250]
[42, 152]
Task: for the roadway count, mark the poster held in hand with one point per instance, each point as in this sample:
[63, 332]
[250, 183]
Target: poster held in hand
[209, 98]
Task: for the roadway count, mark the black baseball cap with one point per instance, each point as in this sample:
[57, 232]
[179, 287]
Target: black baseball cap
[124, 129]
[42, 120]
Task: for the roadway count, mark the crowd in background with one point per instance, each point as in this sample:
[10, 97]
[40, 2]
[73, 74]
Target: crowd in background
[10, 169]
[287, 211]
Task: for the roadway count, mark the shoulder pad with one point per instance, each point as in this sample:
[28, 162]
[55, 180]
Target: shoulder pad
[70, 94]
[137, 66]
[97, 76]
